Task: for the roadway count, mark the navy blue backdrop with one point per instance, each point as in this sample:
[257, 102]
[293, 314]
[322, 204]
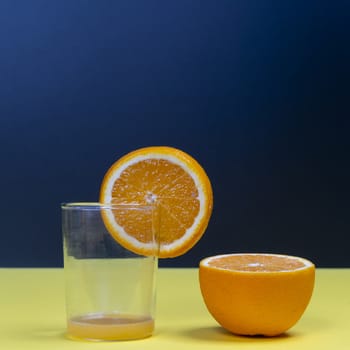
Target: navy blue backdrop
[257, 91]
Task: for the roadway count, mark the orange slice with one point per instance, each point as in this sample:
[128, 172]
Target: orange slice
[256, 294]
[174, 182]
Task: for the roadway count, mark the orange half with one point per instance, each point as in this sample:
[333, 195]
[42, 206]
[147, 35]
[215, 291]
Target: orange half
[256, 294]
[174, 183]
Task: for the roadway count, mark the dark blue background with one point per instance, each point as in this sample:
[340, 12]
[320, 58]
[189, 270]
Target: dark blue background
[257, 91]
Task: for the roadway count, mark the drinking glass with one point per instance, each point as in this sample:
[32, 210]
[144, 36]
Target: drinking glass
[110, 290]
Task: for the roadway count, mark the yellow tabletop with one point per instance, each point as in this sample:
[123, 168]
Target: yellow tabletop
[33, 315]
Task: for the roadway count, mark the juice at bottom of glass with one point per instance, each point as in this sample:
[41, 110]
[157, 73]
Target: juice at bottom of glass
[110, 327]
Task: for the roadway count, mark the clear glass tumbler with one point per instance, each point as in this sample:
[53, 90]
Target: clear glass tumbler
[110, 290]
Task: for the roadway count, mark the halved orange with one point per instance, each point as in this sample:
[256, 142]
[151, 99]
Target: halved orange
[168, 178]
[256, 294]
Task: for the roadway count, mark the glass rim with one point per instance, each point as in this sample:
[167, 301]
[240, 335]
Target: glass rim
[99, 206]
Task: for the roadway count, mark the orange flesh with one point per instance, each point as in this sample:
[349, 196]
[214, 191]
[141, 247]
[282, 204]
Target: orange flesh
[167, 183]
[254, 263]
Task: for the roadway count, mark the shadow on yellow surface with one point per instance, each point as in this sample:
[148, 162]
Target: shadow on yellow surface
[48, 334]
[219, 334]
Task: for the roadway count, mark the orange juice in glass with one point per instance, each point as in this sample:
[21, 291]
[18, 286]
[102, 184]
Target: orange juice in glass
[110, 290]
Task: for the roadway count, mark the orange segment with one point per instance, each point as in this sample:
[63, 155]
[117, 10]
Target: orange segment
[171, 180]
[256, 294]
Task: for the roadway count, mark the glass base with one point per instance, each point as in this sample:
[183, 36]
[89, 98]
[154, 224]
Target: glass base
[109, 327]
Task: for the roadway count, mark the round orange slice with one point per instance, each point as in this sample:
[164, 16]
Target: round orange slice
[171, 180]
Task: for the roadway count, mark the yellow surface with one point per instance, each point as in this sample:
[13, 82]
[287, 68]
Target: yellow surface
[33, 315]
